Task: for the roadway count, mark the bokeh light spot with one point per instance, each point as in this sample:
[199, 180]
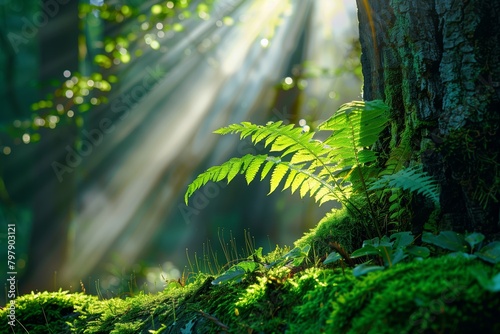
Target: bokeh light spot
[26, 138]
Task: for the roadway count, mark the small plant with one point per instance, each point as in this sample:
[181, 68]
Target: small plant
[321, 169]
[255, 263]
[387, 250]
[470, 245]
[339, 168]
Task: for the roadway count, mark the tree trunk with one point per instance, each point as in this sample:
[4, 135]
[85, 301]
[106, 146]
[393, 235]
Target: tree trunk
[53, 198]
[436, 64]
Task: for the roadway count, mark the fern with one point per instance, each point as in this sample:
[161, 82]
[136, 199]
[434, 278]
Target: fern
[412, 179]
[321, 169]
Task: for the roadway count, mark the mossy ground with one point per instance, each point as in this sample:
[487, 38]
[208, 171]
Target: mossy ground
[435, 295]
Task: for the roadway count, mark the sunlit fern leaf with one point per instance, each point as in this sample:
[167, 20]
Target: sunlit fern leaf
[227, 170]
[355, 126]
[267, 167]
[252, 169]
[412, 179]
[315, 168]
[291, 176]
[235, 167]
[297, 181]
[278, 174]
[281, 138]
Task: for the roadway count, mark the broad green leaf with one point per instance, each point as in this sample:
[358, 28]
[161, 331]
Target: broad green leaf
[306, 249]
[402, 239]
[394, 206]
[297, 252]
[385, 241]
[332, 257]
[490, 284]
[248, 266]
[394, 197]
[448, 240]
[365, 268]
[463, 255]
[366, 250]
[490, 252]
[293, 253]
[391, 257]
[474, 239]
[233, 274]
[375, 242]
[372, 242]
[418, 251]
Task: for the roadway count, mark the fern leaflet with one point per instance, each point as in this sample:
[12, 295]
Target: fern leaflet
[412, 179]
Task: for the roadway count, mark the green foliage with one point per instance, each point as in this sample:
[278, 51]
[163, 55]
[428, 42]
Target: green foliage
[340, 167]
[491, 284]
[412, 179]
[146, 29]
[473, 153]
[387, 251]
[238, 272]
[470, 246]
[293, 258]
[323, 170]
[72, 97]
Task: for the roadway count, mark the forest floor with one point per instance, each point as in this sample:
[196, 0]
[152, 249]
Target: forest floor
[286, 292]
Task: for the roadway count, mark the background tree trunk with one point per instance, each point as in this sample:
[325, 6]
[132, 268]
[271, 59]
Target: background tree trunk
[53, 200]
[436, 63]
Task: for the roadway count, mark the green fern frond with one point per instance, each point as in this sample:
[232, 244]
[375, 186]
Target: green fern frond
[356, 124]
[298, 178]
[248, 164]
[412, 179]
[397, 158]
[356, 127]
[320, 169]
[281, 138]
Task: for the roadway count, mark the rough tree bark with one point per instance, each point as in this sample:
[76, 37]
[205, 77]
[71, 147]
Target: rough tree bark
[437, 65]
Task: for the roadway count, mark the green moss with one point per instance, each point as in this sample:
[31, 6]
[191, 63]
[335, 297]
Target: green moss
[319, 289]
[336, 226]
[45, 312]
[434, 295]
[438, 295]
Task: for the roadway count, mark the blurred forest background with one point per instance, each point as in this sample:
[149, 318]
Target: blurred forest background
[107, 113]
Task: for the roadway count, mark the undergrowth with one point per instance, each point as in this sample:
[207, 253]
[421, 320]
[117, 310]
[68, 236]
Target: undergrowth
[440, 295]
